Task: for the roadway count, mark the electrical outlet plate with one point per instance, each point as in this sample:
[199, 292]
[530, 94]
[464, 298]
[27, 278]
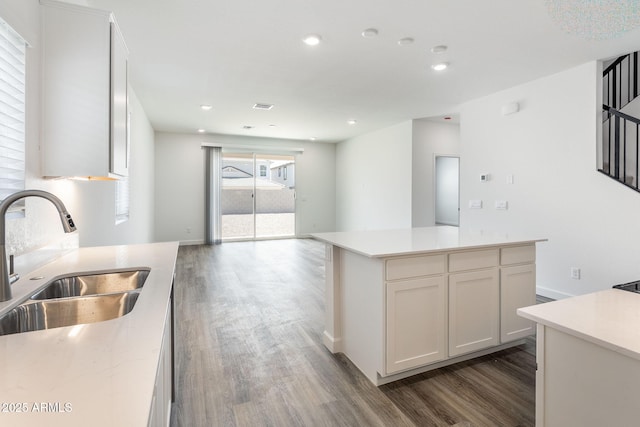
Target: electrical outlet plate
[501, 205]
[575, 273]
[475, 204]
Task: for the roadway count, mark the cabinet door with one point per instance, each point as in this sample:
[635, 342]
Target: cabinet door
[473, 311]
[416, 328]
[517, 289]
[119, 154]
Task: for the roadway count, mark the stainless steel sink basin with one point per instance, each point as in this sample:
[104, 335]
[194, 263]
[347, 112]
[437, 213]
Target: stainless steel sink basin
[56, 313]
[105, 283]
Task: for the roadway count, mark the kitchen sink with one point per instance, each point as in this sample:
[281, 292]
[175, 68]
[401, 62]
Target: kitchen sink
[56, 313]
[93, 284]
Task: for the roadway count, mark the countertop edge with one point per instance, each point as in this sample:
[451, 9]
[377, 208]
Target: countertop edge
[417, 241]
[598, 337]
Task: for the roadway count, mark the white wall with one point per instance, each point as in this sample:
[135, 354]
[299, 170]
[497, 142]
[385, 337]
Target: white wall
[550, 149]
[95, 217]
[374, 180]
[430, 139]
[88, 202]
[180, 191]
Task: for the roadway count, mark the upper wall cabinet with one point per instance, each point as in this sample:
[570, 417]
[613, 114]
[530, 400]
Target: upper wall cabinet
[85, 97]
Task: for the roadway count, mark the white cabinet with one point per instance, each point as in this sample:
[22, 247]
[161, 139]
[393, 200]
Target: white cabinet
[160, 413]
[416, 323]
[85, 95]
[473, 311]
[517, 289]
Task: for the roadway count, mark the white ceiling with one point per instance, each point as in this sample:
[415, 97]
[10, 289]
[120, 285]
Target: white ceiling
[235, 53]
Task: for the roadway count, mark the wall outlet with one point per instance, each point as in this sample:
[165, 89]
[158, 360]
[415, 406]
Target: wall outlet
[575, 273]
[501, 205]
[475, 204]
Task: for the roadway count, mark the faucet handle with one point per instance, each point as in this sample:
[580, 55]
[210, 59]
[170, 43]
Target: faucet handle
[13, 277]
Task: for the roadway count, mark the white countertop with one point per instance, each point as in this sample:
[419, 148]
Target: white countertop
[384, 243]
[104, 375]
[609, 318]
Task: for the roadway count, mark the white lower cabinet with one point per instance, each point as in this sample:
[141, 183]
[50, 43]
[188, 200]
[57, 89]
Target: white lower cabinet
[416, 323]
[442, 306]
[160, 413]
[473, 311]
[517, 289]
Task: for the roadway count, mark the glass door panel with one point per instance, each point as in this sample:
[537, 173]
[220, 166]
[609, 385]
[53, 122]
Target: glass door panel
[258, 196]
[275, 196]
[237, 196]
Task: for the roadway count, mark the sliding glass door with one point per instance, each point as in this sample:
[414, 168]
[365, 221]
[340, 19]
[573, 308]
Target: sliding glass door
[258, 196]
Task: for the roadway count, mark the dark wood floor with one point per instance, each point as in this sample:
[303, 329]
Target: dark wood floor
[249, 352]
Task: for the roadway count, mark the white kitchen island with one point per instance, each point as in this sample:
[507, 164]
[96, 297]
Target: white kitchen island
[401, 302]
[588, 358]
[112, 373]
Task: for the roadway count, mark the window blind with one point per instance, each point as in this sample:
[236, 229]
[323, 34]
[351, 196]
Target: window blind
[12, 113]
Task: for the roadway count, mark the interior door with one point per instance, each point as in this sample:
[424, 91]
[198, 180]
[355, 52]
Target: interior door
[447, 201]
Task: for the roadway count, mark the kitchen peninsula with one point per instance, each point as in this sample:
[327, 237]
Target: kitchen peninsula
[588, 358]
[402, 302]
[116, 372]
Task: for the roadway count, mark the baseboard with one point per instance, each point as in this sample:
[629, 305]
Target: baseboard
[553, 294]
[191, 242]
[334, 345]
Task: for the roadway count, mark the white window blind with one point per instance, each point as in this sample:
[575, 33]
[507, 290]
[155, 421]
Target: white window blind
[12, 113]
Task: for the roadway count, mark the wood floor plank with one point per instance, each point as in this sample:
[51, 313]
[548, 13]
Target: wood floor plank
[249, 352]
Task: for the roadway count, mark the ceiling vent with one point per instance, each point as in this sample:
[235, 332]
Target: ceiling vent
[263, 106]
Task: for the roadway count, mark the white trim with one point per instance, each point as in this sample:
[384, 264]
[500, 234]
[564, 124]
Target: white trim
[550, 293]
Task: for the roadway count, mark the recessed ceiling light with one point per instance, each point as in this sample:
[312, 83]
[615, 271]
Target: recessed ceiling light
[261, 106]
[272, 126]
[200, 130]
[247, 127]
[352, 122]
[206, 107]
[439, 49]
[405, 41]
[313, 138]
[312, 40]
[369, 33]
[440, 67]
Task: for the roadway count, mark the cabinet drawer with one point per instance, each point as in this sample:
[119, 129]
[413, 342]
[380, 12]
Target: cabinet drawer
[405, 268]
[518, 255]
[473, 260]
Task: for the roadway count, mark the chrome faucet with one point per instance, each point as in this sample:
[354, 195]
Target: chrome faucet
[67, 225]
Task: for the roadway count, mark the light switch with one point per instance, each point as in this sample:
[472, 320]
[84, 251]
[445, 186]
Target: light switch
[510, 179]
[501, 204]
[475, 204]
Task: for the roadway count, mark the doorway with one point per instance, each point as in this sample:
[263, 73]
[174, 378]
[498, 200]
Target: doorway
[258, 196]
[447, 198]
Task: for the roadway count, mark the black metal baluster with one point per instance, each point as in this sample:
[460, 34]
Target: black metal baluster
[635, 74]
[616, 147]
[637, 157]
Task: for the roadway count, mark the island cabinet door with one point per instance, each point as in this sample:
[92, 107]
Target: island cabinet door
[473, 311]
[517, 289]
[415, 323]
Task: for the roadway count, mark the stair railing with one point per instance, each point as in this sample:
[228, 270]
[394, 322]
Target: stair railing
[620, 82]
[621, 147]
